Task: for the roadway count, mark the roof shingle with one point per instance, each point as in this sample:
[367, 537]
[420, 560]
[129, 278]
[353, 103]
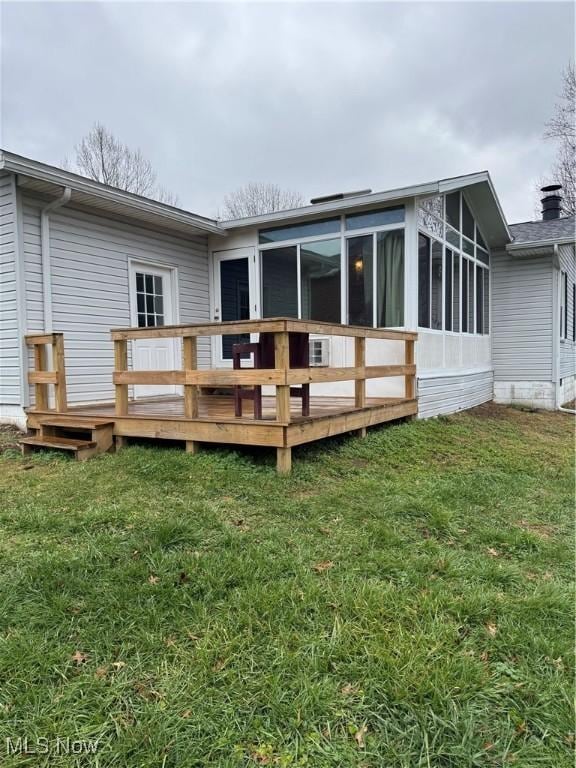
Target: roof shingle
[535, 231]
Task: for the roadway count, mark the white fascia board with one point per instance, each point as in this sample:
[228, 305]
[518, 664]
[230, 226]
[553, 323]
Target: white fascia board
[547, 244]
[331, 207]
[26, 167]
[374, 198]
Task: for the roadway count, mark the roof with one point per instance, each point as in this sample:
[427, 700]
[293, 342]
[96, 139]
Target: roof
[544, 232]
[479, 189]
[49, 180]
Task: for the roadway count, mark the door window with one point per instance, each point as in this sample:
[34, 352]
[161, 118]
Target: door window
[149, 299]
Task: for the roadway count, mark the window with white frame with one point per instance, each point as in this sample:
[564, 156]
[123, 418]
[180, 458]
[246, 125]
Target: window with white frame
[453, 267]
[308, 272]
[563, 305]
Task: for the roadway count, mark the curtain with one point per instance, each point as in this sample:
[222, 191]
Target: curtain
[390, 276]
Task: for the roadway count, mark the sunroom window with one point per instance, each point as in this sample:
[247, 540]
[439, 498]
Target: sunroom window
[307, 279]
[453, 267]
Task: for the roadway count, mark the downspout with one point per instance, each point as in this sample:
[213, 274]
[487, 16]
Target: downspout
[556, 320]
[45, 255]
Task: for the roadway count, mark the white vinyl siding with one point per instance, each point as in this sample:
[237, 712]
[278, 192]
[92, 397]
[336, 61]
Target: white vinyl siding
[439, 394]
[90, 287]
[9, 332]
[522, 317]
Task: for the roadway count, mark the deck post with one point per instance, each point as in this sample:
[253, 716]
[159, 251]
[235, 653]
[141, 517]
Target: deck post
[282, 361]
[360, 384]
[121, 364]
[283, 460]
[409, 383]
[60, 370]
[190, 363]
[40, 390]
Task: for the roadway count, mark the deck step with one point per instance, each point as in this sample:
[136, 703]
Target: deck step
[61, 443]
[76, 422]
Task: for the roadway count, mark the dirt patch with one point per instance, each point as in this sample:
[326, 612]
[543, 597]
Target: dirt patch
[571, 405]
[538, 529]
[515, 414]
[9, 437]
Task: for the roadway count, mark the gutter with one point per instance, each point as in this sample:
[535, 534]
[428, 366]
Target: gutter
[36, 170]
[45, 254]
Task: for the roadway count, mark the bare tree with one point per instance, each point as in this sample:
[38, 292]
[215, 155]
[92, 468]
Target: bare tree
[562, 128]
[103, 157]
[256, 198]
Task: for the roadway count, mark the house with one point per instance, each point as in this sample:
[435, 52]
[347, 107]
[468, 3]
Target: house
[493, 304]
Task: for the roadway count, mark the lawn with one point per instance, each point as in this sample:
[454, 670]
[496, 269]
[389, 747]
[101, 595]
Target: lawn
[400, 601]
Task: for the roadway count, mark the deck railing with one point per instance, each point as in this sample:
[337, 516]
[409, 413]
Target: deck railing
[281, 376]
[42, 376]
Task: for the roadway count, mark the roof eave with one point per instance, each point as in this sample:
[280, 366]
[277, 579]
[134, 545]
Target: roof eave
[25, 167]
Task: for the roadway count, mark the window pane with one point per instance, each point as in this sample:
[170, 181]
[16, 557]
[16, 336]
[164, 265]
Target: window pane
[157, 284]
[453, 238]
[467, 246]
[320, 281]
[423, 281]
[234, 300]
[159, 305]
[456, 292]
[141, 320]
[141, 302]
[467, 220]
[453, 209]
[464, 295]
[139, 281]
[390, 278]
[150, 322]
[280, 282]
[360, 280]
[436, 285]
[297, 231]
[486, 301]
[149, 303]
[448, 291]
[149, 283]
[470, 297]
[479, 300]
[375, 218]
[480, 239]
[482, 256]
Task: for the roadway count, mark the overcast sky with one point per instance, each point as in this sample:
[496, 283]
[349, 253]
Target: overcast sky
[318, 97]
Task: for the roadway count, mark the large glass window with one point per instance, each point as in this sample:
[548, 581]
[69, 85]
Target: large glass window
[379, 218]
[448, 304]
[390, 278]
[299, 231]
[320, 280]
[453, 210]
[360, 280]
[453, 289]
[436, 285]
[423, 281]
[456, 292]
[280, 282]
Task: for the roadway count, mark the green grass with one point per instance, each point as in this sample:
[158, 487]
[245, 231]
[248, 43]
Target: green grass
[435, 631]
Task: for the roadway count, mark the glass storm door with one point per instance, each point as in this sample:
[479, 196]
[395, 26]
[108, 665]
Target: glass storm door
[232, 300]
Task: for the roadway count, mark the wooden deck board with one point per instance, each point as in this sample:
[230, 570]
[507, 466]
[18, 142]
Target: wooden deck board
[221, 408]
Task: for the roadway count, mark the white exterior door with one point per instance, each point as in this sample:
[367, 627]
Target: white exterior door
[234, 297]
[152, 304]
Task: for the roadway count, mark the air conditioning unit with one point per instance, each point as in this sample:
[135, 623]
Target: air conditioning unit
[319, 353]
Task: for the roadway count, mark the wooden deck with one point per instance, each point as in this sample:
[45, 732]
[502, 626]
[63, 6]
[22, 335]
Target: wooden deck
[198, 417]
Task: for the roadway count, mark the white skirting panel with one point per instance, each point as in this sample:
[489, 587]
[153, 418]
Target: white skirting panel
[568, 390]
[442, 394]
[532, 394]
[13, 414]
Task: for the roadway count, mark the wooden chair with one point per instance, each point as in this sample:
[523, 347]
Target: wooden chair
[264, 357]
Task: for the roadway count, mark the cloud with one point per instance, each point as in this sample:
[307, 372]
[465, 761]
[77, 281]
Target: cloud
[316, 97]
